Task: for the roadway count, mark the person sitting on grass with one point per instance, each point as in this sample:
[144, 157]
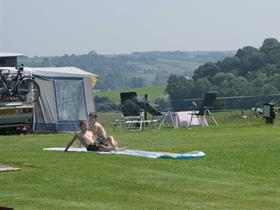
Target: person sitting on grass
[88, 140]
[100, 133]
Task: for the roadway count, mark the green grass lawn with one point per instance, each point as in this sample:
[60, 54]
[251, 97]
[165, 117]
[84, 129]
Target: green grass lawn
[153, 93]
[241, 170]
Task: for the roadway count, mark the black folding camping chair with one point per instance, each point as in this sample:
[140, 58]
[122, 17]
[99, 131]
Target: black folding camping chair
[129, 105]
[158, 118]
[204, 109]
[135, 112]
[132, 117]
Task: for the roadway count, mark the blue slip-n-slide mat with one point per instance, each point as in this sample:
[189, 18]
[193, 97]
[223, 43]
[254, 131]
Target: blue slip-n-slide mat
[138, 153]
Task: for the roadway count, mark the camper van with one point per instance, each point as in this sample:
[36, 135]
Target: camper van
[14, 116]
[66, 97]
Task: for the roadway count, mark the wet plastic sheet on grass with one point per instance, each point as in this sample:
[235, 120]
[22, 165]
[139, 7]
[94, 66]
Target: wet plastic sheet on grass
[4, 168]
[138, 153]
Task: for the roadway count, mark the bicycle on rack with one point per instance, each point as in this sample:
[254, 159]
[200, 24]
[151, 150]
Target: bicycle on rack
[21, 86]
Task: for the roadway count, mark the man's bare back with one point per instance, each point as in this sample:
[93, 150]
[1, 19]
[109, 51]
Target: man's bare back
[97, 129]
[100, 133]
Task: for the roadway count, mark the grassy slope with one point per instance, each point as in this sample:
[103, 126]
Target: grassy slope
[181, 64]
[240, 171]
[171, 66]
[163, 66]
[153, 93]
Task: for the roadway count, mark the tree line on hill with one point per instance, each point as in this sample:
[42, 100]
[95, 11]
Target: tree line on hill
[250, 71]
[133, 70]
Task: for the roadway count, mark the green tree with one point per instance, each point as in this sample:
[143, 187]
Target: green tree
[239, 86]
[269, 44]
[178, 87]
[200, 87]
[208, 70]
[269, 89]
[219, 78]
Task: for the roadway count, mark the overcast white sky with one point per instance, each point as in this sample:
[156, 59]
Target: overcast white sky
[57, 27]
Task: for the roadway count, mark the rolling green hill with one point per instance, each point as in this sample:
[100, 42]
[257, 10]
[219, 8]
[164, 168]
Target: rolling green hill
[137, 69]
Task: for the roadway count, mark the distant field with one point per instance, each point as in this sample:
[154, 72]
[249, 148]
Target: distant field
[164, 66]
[240, 171]
[182, 64]
[148, 77]
[153, 93]
[171, 66]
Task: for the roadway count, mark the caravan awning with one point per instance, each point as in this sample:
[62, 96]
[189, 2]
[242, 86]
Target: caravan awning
[5, 55]
[61, 72]
[54, 72]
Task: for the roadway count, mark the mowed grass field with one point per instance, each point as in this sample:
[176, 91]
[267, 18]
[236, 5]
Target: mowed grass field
[241, 170]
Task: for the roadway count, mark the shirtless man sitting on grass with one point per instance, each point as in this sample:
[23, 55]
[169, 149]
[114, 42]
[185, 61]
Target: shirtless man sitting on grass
[88, 140]
[100, 133]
